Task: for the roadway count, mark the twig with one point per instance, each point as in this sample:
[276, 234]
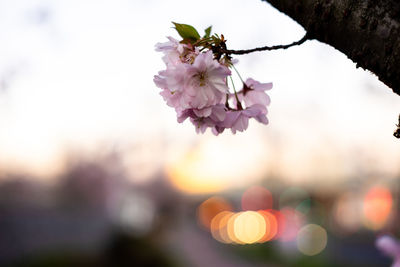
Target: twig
[397, 131]
[265, 48]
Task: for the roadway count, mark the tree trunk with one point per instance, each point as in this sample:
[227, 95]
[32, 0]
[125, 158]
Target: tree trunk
[367, 31]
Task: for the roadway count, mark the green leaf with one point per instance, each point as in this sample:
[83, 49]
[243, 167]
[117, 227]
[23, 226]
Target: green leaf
[208, 32]
[187, 32]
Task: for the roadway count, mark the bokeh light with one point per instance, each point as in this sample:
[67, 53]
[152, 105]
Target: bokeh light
[188, 174]
[281, 220]
[304, 206]
[137, 214]
[312, 239]
[296, 198]
[377, 206]
[347, 213]
[249, 227]
[271, 224]
[212, 165]
[293, 222]
[256, 198]
[219, 226]
[225, 228]
[210, 208]
[231, 228]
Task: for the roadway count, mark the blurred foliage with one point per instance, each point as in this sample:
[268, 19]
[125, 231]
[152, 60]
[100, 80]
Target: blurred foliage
[269, 253]
[122, 250]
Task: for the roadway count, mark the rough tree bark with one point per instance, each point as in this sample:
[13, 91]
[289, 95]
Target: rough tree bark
[367, 31]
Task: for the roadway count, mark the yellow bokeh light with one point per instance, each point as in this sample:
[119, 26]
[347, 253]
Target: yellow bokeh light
[312, 239]
[249, 227]
[188, 175]
[231, 229]
[213, 164]
[223, 228]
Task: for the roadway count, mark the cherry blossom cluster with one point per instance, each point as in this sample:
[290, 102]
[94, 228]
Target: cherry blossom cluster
[195, 84]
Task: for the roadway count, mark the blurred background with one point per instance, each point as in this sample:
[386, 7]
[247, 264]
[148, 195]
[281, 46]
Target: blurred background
[95, 170]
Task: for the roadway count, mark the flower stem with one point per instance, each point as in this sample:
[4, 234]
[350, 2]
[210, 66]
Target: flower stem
[238, 105]
[227, 96]
[237, 72]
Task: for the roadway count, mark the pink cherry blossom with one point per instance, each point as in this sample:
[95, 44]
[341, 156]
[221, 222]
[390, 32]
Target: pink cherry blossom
[391, 247]
[253, 92]
[210, 117]
[206, 81]
[194, 83]
[198, 85]
[172, 51]
[172, 81]
[238, 120]
[176, 53]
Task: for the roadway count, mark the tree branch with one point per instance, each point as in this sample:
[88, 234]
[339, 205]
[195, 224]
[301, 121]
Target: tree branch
[266, 48]
[367, 31]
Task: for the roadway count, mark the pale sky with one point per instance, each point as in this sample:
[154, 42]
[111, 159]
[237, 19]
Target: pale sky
[81, 73]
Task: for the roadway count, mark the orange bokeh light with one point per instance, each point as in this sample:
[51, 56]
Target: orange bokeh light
[223, 230]
[271, 225]
[377, 206]
[231, 229]
[281, 222]
[218, 226]
[210, 208]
